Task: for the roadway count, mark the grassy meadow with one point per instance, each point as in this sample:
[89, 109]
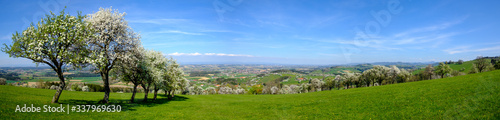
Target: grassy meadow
[475, 96]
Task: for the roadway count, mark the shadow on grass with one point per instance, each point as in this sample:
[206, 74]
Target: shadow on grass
[125, 103]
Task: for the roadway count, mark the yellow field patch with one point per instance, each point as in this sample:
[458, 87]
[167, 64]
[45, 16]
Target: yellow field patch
[204, 78]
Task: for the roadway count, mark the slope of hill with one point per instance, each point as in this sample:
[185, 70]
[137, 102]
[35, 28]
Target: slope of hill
[475, 96]
[467, 65]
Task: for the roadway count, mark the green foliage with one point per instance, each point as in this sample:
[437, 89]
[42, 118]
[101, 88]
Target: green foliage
[483, 64]
[329, 83]
[9, 75]
[255, 89]
[497, 65]
[231, 81]
[95, 88]
[442, 69]
[457, 73]
[76, 87]
[261, 75]
[48, 84]
[473, 70]
[121, 89]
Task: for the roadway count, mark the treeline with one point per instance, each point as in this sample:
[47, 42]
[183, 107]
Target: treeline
[202, 73]
[84, 74]
[9, 75]
[231, 81]
[290, 70]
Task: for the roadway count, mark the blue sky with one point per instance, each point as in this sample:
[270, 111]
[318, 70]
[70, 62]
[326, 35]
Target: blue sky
[290, 32]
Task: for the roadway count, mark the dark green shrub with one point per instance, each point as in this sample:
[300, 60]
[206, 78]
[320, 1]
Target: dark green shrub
[76, 87]
[48, 84]
[95, 88]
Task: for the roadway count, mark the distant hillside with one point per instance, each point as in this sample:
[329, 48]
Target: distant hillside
[337, 70]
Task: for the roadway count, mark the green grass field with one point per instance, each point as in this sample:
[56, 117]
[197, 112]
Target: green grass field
[475, 96]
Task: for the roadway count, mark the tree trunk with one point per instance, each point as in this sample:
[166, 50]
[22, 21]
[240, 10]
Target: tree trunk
[105, 79]
[146, 91]
[169, 95]
[173, 92]
[62, 84]
[155, 93]
[133, 93]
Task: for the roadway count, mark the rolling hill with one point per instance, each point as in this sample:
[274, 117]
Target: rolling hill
[467, 65]
[475, 96]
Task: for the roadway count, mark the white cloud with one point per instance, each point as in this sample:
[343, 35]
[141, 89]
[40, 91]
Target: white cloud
[437, 27]
[465, 49]
[424, 39]
[208, 54]
[375, 44]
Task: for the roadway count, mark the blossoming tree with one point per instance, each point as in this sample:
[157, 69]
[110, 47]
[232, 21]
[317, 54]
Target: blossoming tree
[174, 79]
[114, 41]
[132, 70]
[156, 64]
[57, 40]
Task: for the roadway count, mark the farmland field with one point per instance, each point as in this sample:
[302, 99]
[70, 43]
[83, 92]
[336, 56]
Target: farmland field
[475, 96]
